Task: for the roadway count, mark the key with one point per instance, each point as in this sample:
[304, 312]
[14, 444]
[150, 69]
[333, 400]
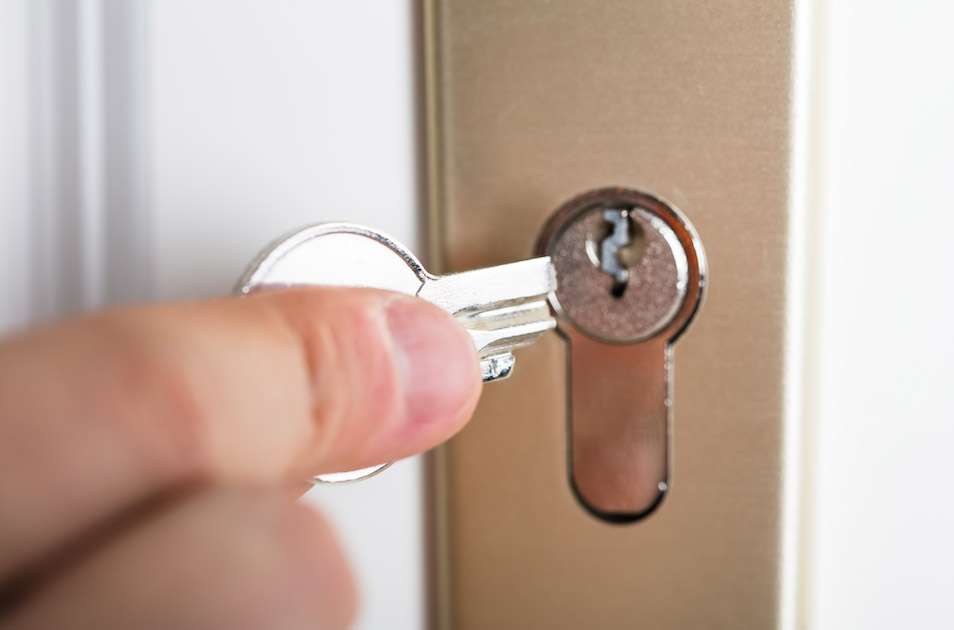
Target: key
[503, 308]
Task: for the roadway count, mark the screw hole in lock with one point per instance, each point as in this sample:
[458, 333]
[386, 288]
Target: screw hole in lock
[616, 245]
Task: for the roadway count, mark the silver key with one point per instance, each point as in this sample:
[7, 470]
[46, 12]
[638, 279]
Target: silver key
[503, 308]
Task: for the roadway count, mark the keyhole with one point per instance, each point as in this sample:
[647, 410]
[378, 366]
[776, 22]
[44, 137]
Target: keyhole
[620, 247]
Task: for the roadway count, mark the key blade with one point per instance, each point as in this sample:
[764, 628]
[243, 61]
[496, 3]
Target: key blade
[503, 308]
[482, 288]
[507, 328]
[496, 345]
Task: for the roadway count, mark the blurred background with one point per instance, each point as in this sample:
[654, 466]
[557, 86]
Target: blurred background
[148, 150]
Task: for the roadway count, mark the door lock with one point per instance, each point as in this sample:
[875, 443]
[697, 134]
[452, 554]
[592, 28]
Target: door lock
[631, 273]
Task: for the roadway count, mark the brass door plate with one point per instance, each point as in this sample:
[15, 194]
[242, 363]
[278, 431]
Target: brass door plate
[529, 104]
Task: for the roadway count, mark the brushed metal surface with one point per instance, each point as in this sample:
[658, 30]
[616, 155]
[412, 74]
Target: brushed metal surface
[532, 102]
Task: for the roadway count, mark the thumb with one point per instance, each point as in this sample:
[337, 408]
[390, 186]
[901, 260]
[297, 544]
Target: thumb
[276, 387]
[389, 375]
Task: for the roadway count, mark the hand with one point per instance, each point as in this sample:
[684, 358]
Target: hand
[150, 457]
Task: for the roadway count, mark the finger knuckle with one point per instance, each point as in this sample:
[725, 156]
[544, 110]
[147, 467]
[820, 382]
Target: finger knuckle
[353, 373]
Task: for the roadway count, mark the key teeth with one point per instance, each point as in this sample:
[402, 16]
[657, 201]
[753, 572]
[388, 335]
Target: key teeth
[497, 367]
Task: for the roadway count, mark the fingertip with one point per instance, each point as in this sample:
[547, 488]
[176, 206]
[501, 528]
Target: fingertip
[438, 362]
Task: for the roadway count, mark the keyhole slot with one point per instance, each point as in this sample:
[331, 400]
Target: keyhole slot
[619, 288]
[616, 246]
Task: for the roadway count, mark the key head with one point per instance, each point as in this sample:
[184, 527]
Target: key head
[335, 254]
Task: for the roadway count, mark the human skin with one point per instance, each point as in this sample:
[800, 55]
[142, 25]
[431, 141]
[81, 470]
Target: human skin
[150, 457]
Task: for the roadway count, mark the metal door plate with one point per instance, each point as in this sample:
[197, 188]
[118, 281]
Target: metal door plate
[529, 104]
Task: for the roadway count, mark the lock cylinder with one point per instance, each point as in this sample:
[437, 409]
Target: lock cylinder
[632, 272]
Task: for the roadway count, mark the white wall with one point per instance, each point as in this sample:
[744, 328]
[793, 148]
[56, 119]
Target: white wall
[14, 182]
[269, 115]
[149, 148]
[884, 519]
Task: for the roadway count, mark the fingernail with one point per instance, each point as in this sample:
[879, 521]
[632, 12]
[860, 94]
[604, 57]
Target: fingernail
[437, 359]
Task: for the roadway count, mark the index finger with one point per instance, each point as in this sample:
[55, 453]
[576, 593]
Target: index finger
[98, 414]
